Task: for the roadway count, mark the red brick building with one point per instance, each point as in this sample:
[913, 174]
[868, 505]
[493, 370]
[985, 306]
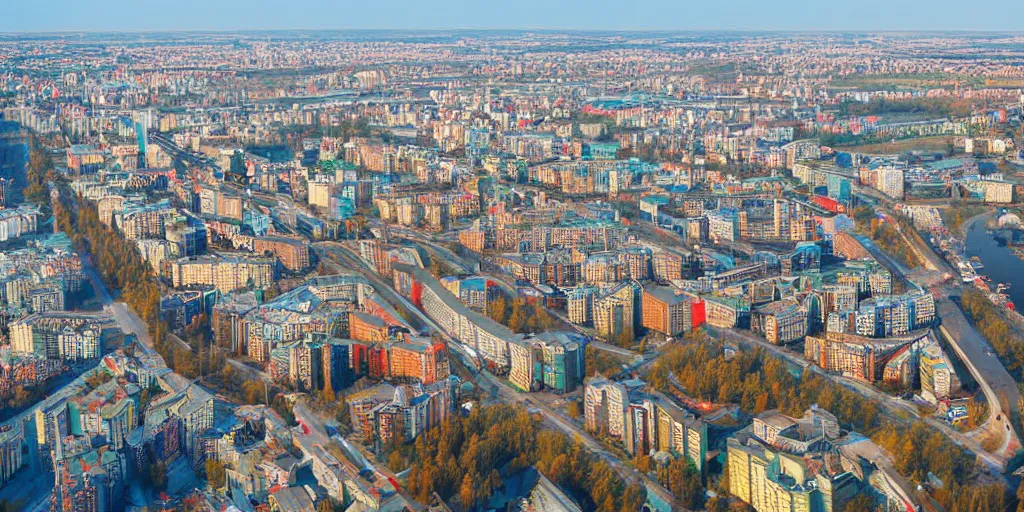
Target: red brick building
[292, 252]
[366, 327]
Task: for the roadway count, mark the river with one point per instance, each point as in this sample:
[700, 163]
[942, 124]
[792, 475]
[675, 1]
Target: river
[1001, 265]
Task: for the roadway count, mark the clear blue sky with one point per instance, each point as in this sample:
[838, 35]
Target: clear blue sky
[135, 15]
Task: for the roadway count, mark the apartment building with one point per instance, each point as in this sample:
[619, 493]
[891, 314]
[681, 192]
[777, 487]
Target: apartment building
[614, 311]
[488, 338]
[780, 322]
[860, 357]
[473, 239]
[292, 252]
[938, 377]
[366, 327]
[420, 360]
[665, 311]
[781, 464]
[11, 459]
[580, 304]
[846, 245]
[223, 272]
[645, 422]
[605, 404]
[145, 220]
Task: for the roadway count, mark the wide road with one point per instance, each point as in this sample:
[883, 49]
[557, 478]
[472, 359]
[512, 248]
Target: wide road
[126, 319]
[343, 256]
[978, 356]
[318, 436]
[179, 153]
[506, 283]
[899, 411]
[985, 367]
[501, 388]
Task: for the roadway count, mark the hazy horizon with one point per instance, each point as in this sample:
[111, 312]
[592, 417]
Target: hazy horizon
[570, 15]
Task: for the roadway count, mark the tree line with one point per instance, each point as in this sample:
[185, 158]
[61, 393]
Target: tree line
[933, 107]
[993, 324]
[758, 382]
[520, 316]
[465, 460]
[885, 234]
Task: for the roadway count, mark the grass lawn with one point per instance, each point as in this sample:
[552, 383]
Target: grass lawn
[934, 143]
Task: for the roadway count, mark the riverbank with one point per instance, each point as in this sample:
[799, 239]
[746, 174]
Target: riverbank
[999, 262]
[959, 229]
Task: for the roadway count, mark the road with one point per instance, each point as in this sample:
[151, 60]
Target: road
[504, 390]
[126, 319]
[178, 153]
[318, 436]
[552, 418]
[343, 257]
[976, 353]
[999, 386]
[899, 410]
[504, 281]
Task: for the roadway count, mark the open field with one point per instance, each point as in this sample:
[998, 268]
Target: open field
[933, 143]
[905, 81]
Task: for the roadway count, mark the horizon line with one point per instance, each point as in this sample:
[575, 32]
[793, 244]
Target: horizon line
[518, 29]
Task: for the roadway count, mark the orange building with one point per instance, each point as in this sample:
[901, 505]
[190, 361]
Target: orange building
[380, 367]
[664, 311]
[472, 239]
[365, 327]
[293, 252]
[423, 362]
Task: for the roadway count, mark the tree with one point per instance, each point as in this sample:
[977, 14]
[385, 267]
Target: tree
[574, 410]
[683, 479]
[328, 393]
[215, 473]
[633, 497]
[441, 268]
[642, 463]
[466, 492]
[496, 310]
[720, 504]
[253, 391]
[468, 457]
[519, 319]
[860, 502]
[625, 338]
[396, 462]
[158, 475]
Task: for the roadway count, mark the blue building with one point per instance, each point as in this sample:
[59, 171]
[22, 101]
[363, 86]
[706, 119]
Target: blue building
[257, 221]
[839, 188]
[337, 371]
[601, 150]
[340, 207]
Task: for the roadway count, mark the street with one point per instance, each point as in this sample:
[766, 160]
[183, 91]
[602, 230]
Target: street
[899, 411]
[503, 389]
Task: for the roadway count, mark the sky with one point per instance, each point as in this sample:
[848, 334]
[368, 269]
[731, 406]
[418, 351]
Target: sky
[812, 15]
